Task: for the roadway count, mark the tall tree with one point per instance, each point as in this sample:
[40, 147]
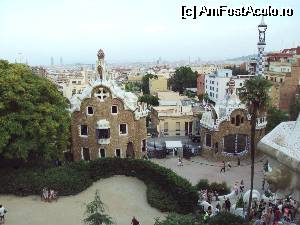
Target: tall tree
[34, 121]
[95, 212]
[145, 82]
[183, 78]
[255, 95]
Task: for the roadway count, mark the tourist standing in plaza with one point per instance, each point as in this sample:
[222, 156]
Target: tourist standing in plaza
[223, 167]
[134, 221]
[229, 165]
[2, 214]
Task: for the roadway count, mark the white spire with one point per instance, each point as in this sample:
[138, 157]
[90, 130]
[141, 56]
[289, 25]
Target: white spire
[262, 22]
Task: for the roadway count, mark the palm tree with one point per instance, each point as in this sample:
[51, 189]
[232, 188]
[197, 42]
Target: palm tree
[255, 95]
[95, 213]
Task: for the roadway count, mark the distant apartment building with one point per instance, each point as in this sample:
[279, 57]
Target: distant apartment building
[134, 79]
[206, 68]
[71, 82]
[285, 80]
[216, 84]
[251, 66]
[172, 120]
[158, 84]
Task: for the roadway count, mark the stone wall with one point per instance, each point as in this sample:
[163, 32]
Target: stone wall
[102, 110]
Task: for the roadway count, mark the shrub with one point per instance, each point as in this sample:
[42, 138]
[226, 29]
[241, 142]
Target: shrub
[202, 184]
[226, 218]
[177, 219]
[220, 188]
[160, 199]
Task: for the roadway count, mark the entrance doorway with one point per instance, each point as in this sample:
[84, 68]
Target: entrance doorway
[130, 150]
[86, 154]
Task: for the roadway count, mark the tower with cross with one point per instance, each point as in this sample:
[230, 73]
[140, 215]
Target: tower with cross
[101, 64]
[262, 27]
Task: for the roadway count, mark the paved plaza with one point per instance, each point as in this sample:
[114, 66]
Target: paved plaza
[200, 168]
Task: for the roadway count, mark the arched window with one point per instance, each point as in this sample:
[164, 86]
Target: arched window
[242, 120]
[237, 120]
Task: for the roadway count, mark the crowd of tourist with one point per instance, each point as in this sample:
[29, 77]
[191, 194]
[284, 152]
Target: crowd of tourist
[277, 212]
[280, 212]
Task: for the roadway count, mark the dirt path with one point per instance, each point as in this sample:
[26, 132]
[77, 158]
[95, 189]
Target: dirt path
[123, 197]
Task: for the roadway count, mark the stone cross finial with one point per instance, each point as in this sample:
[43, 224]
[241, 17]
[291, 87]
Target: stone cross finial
[100, 54]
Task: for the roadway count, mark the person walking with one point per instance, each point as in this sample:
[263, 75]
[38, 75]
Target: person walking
[2, 214]
[223, 167]
[134, 221]
[227, 205]
[229, 165]
[238, 161]
[263, 184]
[242, 186]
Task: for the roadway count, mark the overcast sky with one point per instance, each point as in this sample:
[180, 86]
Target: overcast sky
[135, 30]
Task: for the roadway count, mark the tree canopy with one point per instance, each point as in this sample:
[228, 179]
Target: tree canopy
[275, 117]
[255, 93]
[149, 99]
[145, 82]
[183, 78]
[34, 121]
[133, 87]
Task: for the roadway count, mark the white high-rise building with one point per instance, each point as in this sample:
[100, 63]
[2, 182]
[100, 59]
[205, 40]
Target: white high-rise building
[216, 84]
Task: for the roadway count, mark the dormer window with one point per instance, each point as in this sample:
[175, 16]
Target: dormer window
[90, 110]
[114, 109]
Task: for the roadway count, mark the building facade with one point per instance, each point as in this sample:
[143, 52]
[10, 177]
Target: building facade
[172, 120]
[285, 85]
[216, 84]
[106, 121]
[226, 128]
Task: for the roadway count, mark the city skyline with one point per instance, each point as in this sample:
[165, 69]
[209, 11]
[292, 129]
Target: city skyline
[135, 31]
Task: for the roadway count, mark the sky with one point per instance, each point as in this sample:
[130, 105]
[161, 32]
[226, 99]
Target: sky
[136, 30]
